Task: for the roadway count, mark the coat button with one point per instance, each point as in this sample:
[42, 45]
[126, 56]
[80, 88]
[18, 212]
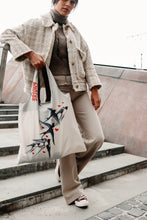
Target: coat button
[73, 64]
[77, 86]
[70, 41]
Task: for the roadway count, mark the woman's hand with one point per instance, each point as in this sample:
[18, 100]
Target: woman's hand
[95, 98]
[36, 60]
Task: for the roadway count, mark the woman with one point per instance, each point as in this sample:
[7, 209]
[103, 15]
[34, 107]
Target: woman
[53, 40]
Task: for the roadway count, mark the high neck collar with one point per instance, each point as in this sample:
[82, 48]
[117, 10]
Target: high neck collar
[57, 18]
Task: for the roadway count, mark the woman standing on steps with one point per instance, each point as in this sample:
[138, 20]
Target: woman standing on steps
[53, 40]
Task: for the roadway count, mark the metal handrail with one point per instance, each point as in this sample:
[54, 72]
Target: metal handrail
[4, 48]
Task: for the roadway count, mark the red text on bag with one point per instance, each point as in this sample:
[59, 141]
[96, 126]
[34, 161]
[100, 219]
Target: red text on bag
[34, 91]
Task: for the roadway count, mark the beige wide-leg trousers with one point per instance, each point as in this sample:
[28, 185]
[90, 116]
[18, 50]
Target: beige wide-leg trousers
[91, 130]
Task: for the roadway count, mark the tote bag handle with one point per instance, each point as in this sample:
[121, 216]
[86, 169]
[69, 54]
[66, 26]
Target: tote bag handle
[47, 85]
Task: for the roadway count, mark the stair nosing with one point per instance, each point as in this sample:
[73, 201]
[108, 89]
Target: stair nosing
[9, 122]
[8, 115]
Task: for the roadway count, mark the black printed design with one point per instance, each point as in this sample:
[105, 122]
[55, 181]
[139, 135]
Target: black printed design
[49, 126]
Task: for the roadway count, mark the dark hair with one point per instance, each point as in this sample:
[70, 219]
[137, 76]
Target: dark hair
[56, 1]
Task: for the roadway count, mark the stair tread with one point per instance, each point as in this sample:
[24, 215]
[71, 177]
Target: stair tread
[11, 160]
[31, 183]
[108, 145]
[9, 122]
[8, 161]
[3, 116]
[9, 104]
[8, 109]
[9, 137]
[112, 162]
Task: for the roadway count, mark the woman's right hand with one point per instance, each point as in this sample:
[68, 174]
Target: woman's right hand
[36, 60]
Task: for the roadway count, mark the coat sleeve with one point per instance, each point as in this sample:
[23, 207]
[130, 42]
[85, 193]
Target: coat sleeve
[16, 39]
[92, 77]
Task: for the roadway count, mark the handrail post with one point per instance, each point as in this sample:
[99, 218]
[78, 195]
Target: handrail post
[3, 59]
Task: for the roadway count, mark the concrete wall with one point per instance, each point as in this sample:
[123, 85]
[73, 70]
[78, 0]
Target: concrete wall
[123, 111]
[13, 84]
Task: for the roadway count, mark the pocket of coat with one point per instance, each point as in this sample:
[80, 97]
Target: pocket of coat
[82, 54]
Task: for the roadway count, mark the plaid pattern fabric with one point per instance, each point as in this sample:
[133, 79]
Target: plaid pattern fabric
[38, 35]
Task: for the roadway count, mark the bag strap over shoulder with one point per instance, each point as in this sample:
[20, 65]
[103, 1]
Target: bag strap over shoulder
[47, 85]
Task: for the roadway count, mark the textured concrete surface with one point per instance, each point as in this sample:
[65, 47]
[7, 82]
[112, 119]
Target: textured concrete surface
[134, 208]
[123, 109]
[101, 197]
[45, 179]
[123, 114]
[41, 186]
[9, 137]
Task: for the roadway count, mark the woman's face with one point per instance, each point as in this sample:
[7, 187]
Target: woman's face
[64, 7]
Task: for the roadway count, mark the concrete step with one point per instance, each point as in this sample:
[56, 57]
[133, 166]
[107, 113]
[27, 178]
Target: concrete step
[8, 124]
[9, 167]
[30, 189]
[9, 106]
[9, 141]
[10, 150]
[8, 117]
[8, 112]
[103, 196]
[106, 150]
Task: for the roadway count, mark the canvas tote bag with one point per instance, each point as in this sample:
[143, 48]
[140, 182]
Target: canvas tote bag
[48, 130]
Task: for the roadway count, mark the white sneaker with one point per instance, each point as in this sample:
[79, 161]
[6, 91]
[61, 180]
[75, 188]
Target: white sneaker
[57, 171]
[82, 202]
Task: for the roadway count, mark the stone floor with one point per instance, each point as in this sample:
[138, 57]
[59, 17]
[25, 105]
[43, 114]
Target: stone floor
[135, 208]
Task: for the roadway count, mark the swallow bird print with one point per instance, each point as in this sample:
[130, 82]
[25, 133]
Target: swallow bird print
[48, 128]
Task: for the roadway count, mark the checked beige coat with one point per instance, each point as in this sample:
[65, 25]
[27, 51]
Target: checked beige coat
[38, 35]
